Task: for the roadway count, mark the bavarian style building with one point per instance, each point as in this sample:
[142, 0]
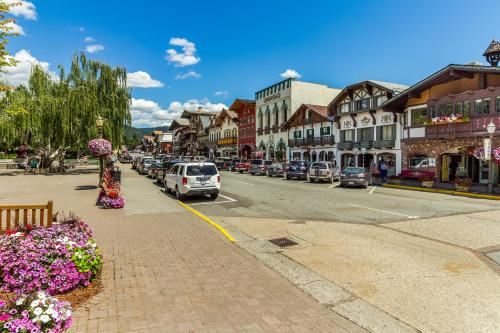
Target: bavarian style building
[366, 133]
[445, 118]
[245, 109]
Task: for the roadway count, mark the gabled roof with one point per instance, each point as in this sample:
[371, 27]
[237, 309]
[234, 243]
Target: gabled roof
[493, 48]
[189, 113]
[449, 73]
[240, 103]
[180, 122]
[320, 113]
[390, 87]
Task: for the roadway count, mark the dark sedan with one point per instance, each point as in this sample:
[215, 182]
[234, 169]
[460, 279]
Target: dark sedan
[297, 169]
[275, 169]
[355, 176]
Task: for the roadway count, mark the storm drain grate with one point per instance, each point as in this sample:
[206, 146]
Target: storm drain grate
[283, 242]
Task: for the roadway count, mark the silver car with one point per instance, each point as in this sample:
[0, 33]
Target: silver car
[323, 171]
[355, 176]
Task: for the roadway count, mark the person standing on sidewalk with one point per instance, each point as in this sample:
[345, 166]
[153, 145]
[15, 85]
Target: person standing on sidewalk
[383, 171]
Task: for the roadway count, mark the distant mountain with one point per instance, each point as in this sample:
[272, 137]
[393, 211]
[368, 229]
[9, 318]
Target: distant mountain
[134, 135]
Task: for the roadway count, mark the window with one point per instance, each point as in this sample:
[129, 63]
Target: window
[261, 120]
[201, 170]
[343, 108]
[387, 132]
[310, 133]
[482, 106]
[365, 134]
[268, 117]
[462, 108]
[297, 134]
[325, 131]
[497, 103]
[181, 170]
[418, 117]
[445, 109]
[309, 114]
[363, 104]
[419, 161]
[379, 100]
[347, 135]
[284, 110]
[432, 111]
[276, 114]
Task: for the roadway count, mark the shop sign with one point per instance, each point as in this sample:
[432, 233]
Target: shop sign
[270, 98]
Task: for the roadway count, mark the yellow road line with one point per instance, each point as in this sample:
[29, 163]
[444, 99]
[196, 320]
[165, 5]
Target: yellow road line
[203, 217]
[449, 192]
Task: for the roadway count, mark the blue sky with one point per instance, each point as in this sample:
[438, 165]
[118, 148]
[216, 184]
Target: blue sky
[234, 48]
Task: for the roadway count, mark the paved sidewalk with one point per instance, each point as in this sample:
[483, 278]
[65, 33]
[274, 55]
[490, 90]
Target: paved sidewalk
[168, 271]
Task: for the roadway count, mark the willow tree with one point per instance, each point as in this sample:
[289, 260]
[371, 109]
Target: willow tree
[60, 112]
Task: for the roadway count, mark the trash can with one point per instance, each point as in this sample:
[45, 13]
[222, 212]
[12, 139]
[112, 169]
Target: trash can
[117, 174]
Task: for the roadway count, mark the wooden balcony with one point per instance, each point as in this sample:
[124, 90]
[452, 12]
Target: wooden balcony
[275, 129]
[267, 130]
[260, 131]
[384, 144]
[345, 145]
[366, 144]
[315, 141]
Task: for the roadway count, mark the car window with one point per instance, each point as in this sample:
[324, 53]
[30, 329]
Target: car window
[181, 170]
[319, 165]
[352, 170]
[268, 162]
[174, 170]
[256, 162]
[201, 170]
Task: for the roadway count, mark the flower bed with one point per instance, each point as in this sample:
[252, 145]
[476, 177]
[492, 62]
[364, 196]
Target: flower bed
[37, 312]
[448, 119]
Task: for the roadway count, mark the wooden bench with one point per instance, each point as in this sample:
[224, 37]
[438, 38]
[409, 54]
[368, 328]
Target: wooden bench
[23, 215]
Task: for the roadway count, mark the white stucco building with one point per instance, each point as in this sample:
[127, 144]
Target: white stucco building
[276, 104]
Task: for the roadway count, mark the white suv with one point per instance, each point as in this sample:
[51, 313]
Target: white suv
[193, 178]
[323, 171]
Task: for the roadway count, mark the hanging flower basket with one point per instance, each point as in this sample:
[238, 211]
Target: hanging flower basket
[100, 147]
[495, 155]
[479, 153]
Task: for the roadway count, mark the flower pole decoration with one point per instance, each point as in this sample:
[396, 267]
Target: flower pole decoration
[479, 153]
[100, 148]
[495, 154]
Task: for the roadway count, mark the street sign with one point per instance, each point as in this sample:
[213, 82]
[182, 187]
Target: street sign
[487, 149]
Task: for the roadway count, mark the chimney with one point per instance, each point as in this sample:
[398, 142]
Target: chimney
[200, 109]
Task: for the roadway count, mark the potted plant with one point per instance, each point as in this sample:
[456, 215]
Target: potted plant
[427, 182]
[463, 184]
[394, 180]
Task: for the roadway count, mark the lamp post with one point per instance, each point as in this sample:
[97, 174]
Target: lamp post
[491, 128]
[99, 123]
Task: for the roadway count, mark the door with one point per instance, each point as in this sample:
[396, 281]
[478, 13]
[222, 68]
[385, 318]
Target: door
[445, 168]
[172, 174]
[483, 172]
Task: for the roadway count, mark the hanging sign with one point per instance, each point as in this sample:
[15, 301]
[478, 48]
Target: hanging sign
[487, 149]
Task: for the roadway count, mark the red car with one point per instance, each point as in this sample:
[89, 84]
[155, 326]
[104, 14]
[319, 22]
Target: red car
[242, 166]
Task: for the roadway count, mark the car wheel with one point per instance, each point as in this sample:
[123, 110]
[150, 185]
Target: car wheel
[267, 173]
[253, 174]
[331, 180]
[178, 194]
[241, 171]
[214, 196]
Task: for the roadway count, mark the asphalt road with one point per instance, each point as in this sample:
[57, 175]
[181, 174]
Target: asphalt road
[259, 196]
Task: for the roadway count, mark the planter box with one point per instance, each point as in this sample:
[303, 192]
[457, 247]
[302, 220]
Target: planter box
[427, 184]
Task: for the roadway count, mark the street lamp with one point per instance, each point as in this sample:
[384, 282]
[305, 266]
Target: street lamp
[491, 128]
[99, 123]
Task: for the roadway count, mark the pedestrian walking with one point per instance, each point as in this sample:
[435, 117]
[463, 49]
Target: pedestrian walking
[383, 171]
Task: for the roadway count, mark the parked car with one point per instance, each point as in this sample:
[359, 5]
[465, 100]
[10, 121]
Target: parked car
[144, 165]
[323, 171]
[416, 173]
[199, 158]
[259, 167]
[242, 166]
[193, 178]
[222, 163]
[355, 176]
[165, 168]
[275, 169]
[296, 169]
[153, 168]
[135, 162]
[126, 158]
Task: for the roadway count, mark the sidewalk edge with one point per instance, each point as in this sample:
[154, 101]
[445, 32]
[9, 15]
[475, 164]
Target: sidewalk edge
[448, 192]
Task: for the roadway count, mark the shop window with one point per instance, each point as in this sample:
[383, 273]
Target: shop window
[325, 131]
[418, 117]
[419, 161]
[482, 106]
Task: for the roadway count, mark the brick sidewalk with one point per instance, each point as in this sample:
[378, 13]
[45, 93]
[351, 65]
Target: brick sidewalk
[168, 271]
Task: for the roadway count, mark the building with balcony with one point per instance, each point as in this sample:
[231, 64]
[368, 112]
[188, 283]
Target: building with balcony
[311, 134]
[275, 105]
[367, 133]
[245, 109]
[444, 119]
[178, 136]
[223, 135]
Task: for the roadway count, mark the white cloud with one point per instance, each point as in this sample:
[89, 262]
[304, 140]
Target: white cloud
[290, 73]
[20, 74]
[22, 8]
[89, 39]
[185, 58]
[190, 74]
[146, 113]
[142, 79]
[223, 94]
[94, 48]
[15, 28]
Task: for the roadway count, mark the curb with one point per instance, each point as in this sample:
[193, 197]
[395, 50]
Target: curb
[208, 220]
[448, 192]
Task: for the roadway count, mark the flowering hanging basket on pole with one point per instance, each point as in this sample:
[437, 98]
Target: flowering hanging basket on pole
[100, 147]
[479, 153]
[495, 155]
